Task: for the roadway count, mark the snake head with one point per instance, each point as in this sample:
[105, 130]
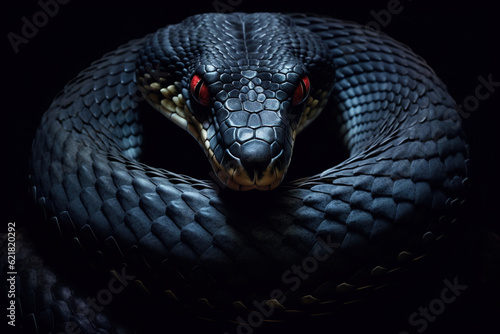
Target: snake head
[243, 85]
[247, 119]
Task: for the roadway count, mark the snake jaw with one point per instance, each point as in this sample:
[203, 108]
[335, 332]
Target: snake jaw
[238, 179]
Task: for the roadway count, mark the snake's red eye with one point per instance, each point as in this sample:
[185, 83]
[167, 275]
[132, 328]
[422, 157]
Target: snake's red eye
[199, 90]
[302, 91]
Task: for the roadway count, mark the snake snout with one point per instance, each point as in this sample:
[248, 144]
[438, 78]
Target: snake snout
[263, 165]
[259, 162]
[255, 155]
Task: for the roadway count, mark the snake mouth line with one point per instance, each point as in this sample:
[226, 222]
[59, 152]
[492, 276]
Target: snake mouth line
[239, 179]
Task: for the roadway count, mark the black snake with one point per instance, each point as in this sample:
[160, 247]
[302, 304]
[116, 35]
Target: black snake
[244, 85]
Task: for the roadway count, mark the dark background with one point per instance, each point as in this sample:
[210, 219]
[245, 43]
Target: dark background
[458, 39]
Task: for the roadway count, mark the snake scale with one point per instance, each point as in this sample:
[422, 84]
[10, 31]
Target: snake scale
[244, 85]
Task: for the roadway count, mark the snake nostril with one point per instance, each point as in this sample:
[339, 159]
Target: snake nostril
[255, 155]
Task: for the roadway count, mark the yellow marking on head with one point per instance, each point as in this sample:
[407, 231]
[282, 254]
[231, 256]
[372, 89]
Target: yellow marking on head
[312, 109]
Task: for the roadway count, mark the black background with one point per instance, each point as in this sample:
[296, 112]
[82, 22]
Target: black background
[458, 39]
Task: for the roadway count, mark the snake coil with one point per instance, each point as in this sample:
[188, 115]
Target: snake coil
[310, 241]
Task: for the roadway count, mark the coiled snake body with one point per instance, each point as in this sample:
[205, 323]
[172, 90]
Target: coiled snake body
[244, 85]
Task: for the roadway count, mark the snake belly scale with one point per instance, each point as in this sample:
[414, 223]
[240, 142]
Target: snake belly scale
[244, 86]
